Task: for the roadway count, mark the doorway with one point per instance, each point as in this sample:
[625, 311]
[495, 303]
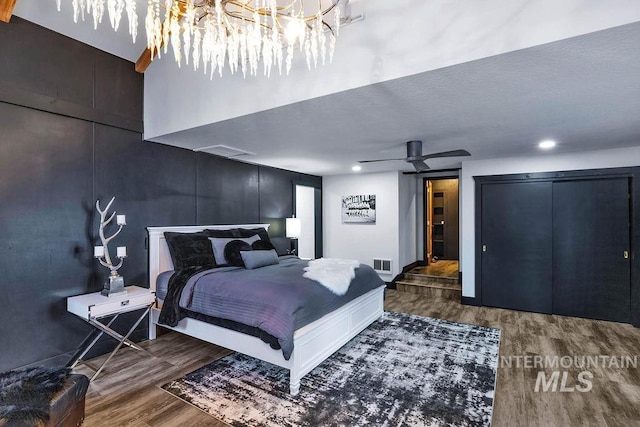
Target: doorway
[307, 204]
[305, 211]
[442, 233]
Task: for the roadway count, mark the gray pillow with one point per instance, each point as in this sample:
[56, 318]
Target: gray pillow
[219, 243]
[255, 259]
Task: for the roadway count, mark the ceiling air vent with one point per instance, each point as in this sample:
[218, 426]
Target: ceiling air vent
[225, 151]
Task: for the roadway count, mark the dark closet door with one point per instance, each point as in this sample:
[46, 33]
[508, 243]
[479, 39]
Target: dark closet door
[591, 276]
[516, 232]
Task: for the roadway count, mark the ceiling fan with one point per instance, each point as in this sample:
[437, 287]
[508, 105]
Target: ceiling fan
[416, 158]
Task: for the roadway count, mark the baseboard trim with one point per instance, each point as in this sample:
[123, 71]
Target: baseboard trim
[392, 284]
[470, 301]
[410, 267]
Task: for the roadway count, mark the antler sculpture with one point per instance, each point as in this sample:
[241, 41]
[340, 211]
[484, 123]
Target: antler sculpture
[115, 283]
[105, 260]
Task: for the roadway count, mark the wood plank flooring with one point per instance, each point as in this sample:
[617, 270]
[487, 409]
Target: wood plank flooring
[128, 392]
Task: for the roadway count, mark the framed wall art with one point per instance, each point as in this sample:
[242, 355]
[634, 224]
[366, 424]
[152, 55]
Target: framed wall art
[359, 209]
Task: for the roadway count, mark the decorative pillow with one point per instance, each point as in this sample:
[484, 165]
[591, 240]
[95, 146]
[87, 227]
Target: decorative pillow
[190, 250]
[224, 234]
[255, 259]
[262, 245]
[219, 244]
[248, 232]
[232, 252]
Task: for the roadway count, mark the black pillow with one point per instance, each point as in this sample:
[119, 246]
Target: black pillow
[248, 232]
[232, 252]
[190, 250]
[262, 245]
[224, 234]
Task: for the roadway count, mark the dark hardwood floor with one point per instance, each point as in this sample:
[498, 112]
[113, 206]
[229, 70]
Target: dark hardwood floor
[128, 392]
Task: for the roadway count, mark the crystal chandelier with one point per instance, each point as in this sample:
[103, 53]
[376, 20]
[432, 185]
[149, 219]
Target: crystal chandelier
[239, 32]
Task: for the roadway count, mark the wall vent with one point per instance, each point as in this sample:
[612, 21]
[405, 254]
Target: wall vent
[225, 151]
[382, 265]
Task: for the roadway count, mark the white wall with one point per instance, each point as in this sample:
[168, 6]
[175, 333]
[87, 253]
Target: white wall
[396, 39]
[575, 161]
[305, 212]
[363, 242]
[408, 220]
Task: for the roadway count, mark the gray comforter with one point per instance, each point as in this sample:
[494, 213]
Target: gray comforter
[275, 298]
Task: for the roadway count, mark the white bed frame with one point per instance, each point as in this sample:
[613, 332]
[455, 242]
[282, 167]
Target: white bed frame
[313, 343]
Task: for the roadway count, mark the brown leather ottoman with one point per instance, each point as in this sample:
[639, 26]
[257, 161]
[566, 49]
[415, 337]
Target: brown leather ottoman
[67, 405]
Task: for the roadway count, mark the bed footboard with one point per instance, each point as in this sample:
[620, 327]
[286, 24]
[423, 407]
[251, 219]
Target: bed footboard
[317, 341]
[313, 343]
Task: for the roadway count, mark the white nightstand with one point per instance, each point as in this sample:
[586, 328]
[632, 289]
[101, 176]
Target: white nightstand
[93, 307]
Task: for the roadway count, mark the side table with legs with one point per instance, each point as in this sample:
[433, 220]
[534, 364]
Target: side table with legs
[94, 307]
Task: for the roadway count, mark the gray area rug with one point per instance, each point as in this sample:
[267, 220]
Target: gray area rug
[403, 370]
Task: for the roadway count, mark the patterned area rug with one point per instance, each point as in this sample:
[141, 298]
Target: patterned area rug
[403, 370]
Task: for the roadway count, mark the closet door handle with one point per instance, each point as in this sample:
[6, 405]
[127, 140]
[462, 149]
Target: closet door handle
[625, 254]
[484, 248]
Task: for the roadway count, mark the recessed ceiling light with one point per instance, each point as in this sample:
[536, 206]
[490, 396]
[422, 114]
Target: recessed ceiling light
[547, 143]
[356, 168]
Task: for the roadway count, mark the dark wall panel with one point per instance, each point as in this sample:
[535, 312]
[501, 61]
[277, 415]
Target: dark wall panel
[154, 185]
[45, 188]
[276, 198]
[117, 90]
[227, 191]
[55, 65]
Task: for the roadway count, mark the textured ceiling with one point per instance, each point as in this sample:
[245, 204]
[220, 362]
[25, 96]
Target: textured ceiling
[584, 92]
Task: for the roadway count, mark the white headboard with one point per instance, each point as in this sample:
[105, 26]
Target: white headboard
[159, 257]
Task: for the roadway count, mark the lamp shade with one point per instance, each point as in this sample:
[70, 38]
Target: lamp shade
[293, 228]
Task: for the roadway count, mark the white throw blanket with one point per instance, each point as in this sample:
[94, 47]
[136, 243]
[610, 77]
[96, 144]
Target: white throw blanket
[334, 274]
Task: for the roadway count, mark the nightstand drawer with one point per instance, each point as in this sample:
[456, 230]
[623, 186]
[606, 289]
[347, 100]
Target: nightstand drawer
[95, 305]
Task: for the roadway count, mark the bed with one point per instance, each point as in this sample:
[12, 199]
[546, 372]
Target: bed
[312, 343]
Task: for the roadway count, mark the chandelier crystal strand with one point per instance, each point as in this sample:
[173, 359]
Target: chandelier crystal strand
[175, 37]
[111, 8]
[166, 25]
[333, 35]
[98, 12]
[149, 27]
[157, 29]
[197, 38]
[76, 8]
[323, 44]
[187, 29]
[132, 16]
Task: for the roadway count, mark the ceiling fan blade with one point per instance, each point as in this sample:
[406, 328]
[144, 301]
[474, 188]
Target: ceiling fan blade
[379, 160]
[454, 153]
[420, 165]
